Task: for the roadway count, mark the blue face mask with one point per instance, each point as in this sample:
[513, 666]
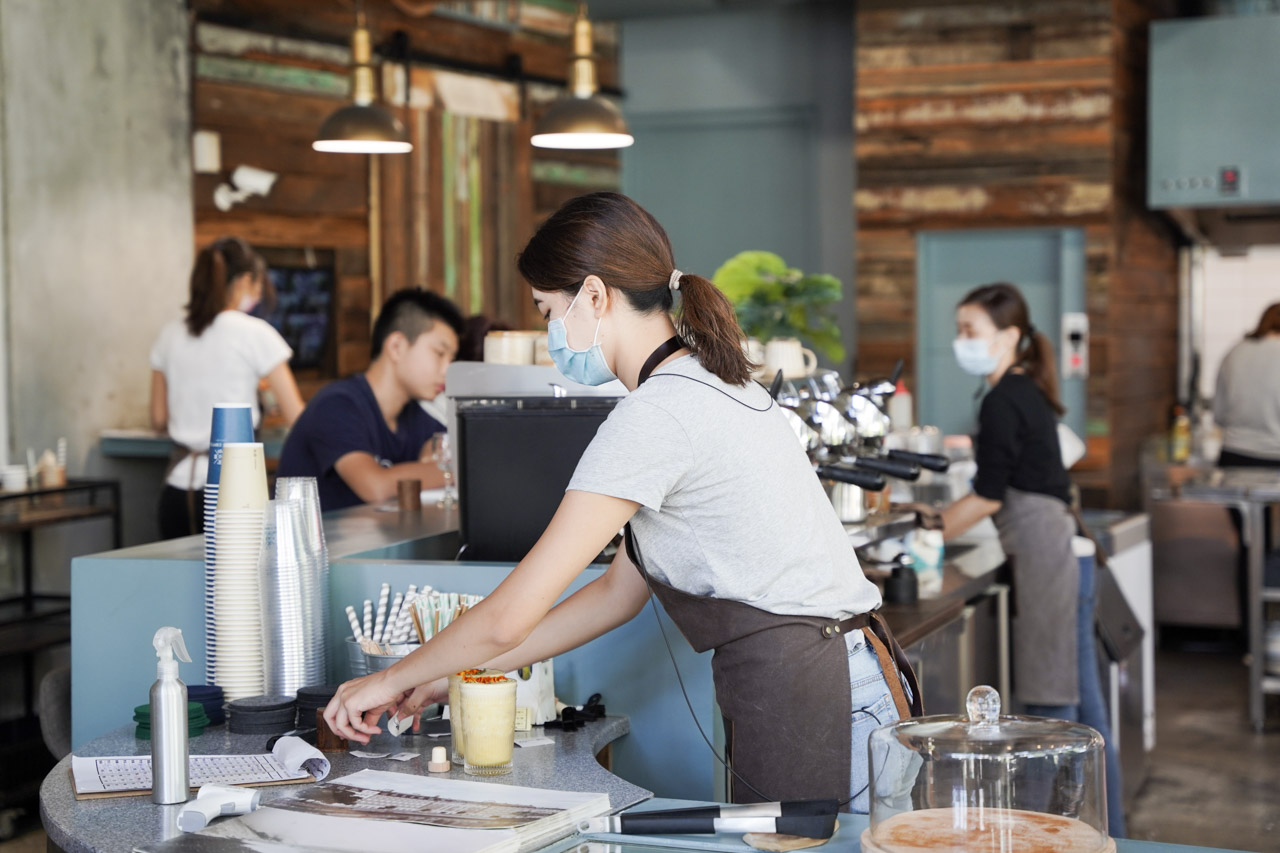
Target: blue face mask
[586, 367]
[974, 356]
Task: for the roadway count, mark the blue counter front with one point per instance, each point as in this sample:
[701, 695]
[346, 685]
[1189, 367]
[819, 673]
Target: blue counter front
[120, 598]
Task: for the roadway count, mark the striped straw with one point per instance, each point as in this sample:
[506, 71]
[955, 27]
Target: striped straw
[388, 630]
[355, 624]
[368, 618]
[381, 618]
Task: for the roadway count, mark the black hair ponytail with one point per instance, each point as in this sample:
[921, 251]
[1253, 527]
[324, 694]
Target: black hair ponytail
[217, 266]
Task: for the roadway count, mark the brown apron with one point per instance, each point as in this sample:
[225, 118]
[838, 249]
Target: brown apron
[782, 683]
[176, 456]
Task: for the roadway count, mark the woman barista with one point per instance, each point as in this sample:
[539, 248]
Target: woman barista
[1022, 483]
[732, 530]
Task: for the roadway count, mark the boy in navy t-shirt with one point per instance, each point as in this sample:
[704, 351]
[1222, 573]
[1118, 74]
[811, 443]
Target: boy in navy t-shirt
[359, 435]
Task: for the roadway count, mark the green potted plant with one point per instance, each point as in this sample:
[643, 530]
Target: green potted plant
[773, 300]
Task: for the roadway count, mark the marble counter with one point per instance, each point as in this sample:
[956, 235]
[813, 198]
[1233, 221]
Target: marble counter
[116, 824]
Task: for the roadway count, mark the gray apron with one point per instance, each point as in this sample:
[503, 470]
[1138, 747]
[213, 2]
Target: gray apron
[782, 683]
[1035, 533]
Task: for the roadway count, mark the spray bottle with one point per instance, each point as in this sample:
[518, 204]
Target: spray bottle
[169, 782]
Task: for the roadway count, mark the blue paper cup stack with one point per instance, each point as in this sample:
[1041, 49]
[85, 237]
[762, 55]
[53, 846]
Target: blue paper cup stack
[232, 422]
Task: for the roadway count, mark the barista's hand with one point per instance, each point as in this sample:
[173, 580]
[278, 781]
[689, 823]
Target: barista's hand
[354, 710]
[412, 702]
[927, 517]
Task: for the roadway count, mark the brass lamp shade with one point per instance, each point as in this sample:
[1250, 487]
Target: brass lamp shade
[362, 129]
[577, 122]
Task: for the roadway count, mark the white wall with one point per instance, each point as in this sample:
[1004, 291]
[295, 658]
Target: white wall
[1230, 301]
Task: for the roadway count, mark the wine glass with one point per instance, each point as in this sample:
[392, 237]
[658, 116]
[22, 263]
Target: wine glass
[442, 452]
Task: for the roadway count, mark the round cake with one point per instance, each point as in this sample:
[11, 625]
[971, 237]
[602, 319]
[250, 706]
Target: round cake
[984, 831]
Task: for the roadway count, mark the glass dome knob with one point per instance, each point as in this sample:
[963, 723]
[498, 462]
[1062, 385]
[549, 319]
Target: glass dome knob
[983, 704]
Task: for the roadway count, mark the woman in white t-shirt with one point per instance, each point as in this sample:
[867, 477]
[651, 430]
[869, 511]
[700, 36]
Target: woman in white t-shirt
[216, 354]
[727, 525]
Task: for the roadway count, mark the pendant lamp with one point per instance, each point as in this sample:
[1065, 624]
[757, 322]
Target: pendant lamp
[582, 119]
[362, 127]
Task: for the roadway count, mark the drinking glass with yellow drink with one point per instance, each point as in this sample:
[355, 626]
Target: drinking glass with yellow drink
[488, 723]
[456, 735]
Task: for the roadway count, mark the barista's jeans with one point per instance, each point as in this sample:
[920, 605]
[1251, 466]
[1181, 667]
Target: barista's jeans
[1092, 710]
[872, 707]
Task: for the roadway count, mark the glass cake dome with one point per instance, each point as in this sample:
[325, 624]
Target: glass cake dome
[987, 784]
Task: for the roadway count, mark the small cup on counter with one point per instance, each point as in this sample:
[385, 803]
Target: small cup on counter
[488, 723]
[409, 494]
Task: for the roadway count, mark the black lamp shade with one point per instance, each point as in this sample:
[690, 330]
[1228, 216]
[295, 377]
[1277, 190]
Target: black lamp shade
[357, 129]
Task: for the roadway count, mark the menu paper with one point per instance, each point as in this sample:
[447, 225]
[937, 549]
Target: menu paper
[291, 760]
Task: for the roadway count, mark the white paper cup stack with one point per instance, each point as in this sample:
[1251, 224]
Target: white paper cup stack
[237, 615]
[232, 422]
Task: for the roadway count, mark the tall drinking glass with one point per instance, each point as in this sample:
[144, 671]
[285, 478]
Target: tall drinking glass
[442, 453]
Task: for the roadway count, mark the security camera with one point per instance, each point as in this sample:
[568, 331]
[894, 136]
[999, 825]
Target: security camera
[247, 181]
[252, 180]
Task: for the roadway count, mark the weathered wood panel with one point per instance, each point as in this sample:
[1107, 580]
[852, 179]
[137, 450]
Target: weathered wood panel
[990, 114]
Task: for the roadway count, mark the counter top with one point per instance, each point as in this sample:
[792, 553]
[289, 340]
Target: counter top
[118, 823]
[970, 566]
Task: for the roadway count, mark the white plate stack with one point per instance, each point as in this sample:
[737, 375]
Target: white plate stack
[292, 601]
[232, 422]
[237, 613]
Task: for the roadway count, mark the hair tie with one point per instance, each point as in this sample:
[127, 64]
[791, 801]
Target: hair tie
[674, 281]
[1031, 331]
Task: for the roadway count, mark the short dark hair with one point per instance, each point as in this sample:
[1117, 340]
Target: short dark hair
[412, 312]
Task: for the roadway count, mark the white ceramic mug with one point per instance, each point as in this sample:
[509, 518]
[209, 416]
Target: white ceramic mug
[787, 355]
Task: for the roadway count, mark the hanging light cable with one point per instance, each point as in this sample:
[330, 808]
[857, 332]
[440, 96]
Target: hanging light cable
[582, 119]
[362, 127]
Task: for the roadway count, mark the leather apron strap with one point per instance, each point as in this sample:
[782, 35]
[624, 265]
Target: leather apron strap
[896, 668]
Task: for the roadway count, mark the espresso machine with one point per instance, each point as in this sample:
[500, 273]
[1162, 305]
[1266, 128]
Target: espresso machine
[844, 429]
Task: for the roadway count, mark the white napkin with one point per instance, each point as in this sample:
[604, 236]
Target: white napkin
[296, 754]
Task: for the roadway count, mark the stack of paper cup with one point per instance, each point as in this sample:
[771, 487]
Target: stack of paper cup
[232, 422]
[307, 492]
[292, 617]
[237, 615]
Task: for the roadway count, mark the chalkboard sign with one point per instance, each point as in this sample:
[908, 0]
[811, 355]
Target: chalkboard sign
[303, 312]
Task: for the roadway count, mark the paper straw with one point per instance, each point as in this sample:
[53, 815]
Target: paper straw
[355, 625]
[62, 453]
[401, 632]
[393, 616]
[368, 618]
[380, 619]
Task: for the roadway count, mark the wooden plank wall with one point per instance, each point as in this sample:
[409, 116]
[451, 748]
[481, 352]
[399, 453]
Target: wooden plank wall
[452, 215]
[987, 114]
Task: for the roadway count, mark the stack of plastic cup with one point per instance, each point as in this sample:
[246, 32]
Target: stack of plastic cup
[237, 614]
[292, 616]
[232, 422]
[306, 490]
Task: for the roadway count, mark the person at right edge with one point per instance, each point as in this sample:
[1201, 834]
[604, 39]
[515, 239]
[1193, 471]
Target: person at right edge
[1022, 483]
[727, 525]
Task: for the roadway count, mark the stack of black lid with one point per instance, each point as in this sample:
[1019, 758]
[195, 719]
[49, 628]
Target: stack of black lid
[210, 697]
[312, 699]
[260, 715]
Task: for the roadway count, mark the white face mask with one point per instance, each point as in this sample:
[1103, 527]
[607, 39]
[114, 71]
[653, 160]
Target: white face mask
[974, 356]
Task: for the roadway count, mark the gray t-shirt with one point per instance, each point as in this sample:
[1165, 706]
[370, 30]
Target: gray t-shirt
[1246, 403]
[730, 505]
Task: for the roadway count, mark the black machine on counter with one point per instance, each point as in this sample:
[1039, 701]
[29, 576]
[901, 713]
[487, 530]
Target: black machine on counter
[515, 457]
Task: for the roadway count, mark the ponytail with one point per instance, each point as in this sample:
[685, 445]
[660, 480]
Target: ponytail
[1038, 362]
[217, 266]
[709, 327]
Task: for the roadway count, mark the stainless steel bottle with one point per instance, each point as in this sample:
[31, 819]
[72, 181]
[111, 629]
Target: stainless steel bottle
[169, 748]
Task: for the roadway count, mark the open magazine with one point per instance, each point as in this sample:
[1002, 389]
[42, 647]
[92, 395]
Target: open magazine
[378, 810]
